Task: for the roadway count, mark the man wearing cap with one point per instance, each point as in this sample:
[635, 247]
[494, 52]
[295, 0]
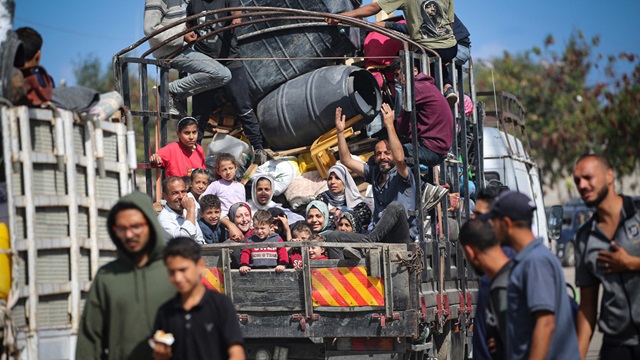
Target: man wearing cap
[608, 253]
[540, 323]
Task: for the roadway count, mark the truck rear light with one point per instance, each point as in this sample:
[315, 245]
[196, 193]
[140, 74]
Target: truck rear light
[372, 344]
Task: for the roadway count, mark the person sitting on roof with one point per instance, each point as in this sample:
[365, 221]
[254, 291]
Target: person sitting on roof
[204, 72]
[434, 119]
[429, 23]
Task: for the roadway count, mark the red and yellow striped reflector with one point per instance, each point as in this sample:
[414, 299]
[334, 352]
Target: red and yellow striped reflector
[346, 286]
[214, 279]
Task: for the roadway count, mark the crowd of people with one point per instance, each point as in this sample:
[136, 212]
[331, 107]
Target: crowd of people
[523, 309]
[154, 286]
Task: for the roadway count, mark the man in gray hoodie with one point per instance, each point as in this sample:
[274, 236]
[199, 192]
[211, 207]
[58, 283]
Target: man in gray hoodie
[204, 72]
[127, 292]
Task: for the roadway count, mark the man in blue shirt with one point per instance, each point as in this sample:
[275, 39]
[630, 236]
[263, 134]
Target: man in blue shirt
[540, 323]
[390, 176]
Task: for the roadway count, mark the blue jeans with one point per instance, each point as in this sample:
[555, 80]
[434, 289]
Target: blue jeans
[392, 227]
[426, 156]
[204, 74]
[463, 55]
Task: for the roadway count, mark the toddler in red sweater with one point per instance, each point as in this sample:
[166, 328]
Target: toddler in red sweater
[264, 257]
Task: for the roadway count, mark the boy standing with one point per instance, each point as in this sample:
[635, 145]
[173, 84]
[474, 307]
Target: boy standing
[203, 323]
[263, 257]
[212, 230]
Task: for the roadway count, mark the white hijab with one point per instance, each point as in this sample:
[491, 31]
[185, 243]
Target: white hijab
[350, 196]
[254, 198]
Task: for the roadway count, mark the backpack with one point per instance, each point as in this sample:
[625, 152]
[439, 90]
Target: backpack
[38, 86]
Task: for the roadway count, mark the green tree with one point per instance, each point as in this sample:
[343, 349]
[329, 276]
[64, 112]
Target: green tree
[567, 116]
[90, 72]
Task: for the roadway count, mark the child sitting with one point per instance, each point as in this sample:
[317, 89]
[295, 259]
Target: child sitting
[263, 257]
[204, 323]
[317, 252]
[185, 154]
[300, 232]
[212, 230]
[226, 187]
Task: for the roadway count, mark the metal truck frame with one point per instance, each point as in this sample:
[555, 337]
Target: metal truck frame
[425, 291]
[429, 291]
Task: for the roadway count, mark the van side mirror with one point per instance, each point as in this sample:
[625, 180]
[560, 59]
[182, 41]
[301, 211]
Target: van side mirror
[554, 223]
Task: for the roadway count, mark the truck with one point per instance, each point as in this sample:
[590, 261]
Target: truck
[413, 300]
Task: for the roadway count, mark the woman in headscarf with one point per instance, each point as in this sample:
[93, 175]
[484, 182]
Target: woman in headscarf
[240, 215]
[262, 198]
[317, 215]
[343, 195]
[348, 223]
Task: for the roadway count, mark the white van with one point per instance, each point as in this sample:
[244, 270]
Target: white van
[506, 161]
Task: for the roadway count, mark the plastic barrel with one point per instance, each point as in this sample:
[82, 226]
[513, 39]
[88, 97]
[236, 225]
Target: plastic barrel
[299, 45]
[303, 109]
[5, 263]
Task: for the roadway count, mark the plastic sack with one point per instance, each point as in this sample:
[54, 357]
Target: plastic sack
[304, 188]
[282, 171]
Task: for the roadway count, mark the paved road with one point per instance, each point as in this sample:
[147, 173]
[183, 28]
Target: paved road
[596, 342]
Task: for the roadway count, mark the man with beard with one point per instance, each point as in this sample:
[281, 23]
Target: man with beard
[607, 253]
[178, 218]
[482, 250]
[540, 321]
[388, 175]
[126, 293]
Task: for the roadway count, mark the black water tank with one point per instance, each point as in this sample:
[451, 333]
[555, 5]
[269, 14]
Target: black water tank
[293, 40]
[303, 109]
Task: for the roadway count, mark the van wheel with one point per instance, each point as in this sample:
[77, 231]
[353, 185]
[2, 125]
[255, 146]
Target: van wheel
[569, 254]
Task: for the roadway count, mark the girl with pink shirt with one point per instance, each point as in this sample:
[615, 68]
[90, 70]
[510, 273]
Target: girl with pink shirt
[225, 187]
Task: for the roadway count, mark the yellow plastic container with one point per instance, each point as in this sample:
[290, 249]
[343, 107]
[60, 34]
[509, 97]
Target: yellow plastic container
[319, 155]
[5, 263]
[305, 162]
